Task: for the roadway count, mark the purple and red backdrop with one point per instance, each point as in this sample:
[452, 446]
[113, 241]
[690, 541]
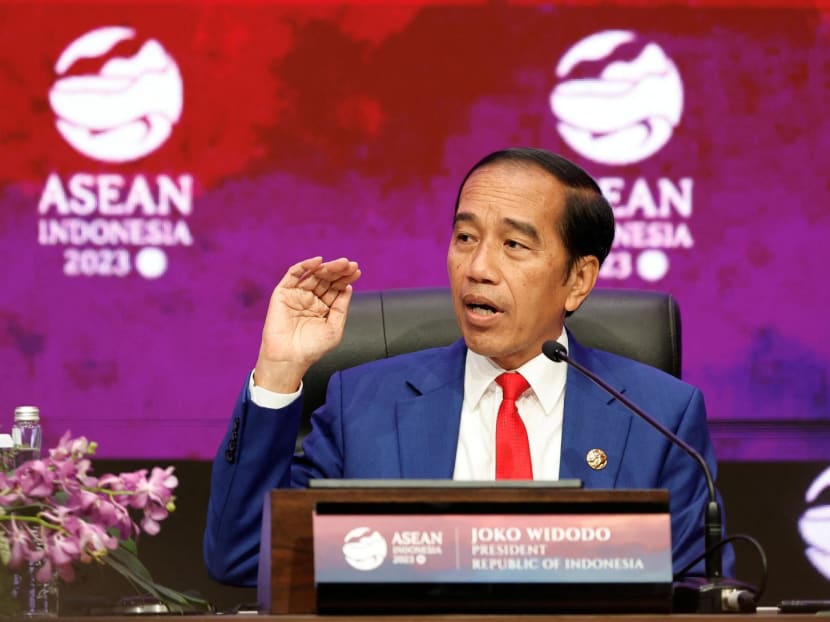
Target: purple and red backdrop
[164, 162]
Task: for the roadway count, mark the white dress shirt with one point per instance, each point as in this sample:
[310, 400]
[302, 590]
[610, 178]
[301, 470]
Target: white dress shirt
[268, 399]
[541, 408]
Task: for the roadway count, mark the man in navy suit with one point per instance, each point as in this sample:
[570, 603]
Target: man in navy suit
[530, 232]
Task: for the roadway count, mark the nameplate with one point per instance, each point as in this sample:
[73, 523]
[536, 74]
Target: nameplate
[609, 548]
[320, 553]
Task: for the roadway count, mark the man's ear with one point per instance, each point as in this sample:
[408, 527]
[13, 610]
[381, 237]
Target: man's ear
[581, 281]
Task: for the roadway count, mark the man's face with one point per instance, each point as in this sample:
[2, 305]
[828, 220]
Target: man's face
[507, 263]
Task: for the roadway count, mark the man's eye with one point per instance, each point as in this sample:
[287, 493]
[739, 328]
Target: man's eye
[514, 244]
[463, 237]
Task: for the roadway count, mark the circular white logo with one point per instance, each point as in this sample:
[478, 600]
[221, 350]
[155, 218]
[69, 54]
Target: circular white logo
[615, 110]
[364, 549]
[151, 262]
[814, 526]
[127, 108]
[652, 264]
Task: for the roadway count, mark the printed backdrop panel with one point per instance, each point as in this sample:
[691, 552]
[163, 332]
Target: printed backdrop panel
[163, 163]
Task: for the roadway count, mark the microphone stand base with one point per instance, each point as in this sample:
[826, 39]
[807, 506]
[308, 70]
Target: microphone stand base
[720, 596]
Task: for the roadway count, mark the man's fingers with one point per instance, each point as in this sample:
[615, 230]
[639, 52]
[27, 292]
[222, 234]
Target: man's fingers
[331, 271]
[338, 287]
[327, 274]
[347, 279]
[320, 289]
[323, 280]
[299, 271]
[339, 309]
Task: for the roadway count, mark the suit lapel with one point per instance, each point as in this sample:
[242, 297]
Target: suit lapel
[592, 420]
[428, 422]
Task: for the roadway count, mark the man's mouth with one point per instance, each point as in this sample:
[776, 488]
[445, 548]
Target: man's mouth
[482, 309]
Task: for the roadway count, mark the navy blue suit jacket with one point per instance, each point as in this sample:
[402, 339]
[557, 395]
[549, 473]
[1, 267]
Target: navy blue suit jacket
[399, 418]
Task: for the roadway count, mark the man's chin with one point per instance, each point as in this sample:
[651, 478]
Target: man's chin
[504, 355]
[481, 344]
[485, 347]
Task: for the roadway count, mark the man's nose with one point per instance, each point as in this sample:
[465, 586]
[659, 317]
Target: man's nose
[484, 264]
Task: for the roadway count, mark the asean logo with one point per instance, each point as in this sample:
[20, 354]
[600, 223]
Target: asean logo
[364, 549]
[814, 525]
[618, 99]
[126, 108]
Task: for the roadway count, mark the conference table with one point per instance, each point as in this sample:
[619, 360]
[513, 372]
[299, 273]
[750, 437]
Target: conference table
[292, 576]
[762, 616]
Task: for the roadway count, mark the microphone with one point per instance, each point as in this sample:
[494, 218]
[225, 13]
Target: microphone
[724, 598]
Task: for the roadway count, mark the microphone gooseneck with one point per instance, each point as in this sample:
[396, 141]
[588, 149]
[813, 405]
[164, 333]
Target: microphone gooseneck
[556, 352]
[713, 522]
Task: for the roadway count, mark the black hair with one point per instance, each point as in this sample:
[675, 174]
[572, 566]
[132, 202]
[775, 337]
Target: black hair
[587, 224]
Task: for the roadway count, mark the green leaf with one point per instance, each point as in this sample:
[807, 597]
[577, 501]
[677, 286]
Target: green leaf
[128, 559]
[5, 549]
[61, 497]
[129, 545]
[131, 568]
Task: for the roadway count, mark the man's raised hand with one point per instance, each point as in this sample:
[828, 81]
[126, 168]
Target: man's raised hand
[305, 320]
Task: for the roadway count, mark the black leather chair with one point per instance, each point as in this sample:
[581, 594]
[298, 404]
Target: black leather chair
[641, 325]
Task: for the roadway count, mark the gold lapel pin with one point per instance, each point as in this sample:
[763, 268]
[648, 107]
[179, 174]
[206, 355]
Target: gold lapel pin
[597, 459]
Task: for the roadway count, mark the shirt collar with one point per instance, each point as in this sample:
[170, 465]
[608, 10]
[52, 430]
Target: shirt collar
[546, 378]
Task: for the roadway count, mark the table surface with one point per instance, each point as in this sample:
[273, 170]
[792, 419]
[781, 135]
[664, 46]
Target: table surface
[763, 616]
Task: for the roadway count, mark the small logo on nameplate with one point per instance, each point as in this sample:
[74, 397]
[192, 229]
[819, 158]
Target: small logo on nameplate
[364, 548]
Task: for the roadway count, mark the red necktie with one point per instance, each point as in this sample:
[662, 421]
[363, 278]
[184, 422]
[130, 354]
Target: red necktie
[512, 448]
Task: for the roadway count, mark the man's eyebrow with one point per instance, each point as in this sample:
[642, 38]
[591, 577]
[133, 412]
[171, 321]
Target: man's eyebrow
[463, 217]
[523, 227]
[519, 225]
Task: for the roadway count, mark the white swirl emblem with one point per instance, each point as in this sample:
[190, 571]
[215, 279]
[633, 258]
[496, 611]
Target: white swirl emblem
[126, 109]
[615, 111]
[364, 549]
[814, 526]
